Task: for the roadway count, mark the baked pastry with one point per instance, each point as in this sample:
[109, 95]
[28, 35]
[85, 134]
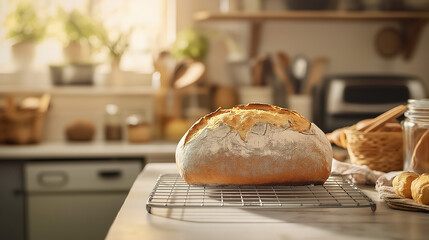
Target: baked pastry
[80, 130]
[254, 144]
[402, 183]
[420, 189]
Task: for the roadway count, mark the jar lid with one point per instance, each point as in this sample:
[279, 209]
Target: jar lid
[418, 109]
[135, 119]
[418, 103]
[112, 109]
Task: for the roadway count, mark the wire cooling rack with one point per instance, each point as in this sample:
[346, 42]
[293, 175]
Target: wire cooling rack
[171, 191]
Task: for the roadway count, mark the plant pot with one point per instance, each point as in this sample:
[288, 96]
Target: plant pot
[72, 74]
[116, 77]
[78, 52]
[23, 55]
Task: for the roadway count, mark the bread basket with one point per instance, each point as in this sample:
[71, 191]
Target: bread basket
[381, 151]
[22, 125]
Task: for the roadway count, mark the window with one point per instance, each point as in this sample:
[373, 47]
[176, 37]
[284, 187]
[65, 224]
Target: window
[150, 24]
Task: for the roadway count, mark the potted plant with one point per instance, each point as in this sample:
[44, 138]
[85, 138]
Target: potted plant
[190, 44]
[117, 44]
[25, 29]
[79, 30]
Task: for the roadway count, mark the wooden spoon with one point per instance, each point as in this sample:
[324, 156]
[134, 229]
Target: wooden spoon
[280, 68]
[283, 59]
[420, 158]
[378, 122]
[44, 103]
[257, 72]
[318, 68]
[280, 73]
[192, 74]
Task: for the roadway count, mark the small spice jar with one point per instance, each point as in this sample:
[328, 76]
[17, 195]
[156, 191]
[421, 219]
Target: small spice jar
[416, 136]
[138, 129]
[112, 124]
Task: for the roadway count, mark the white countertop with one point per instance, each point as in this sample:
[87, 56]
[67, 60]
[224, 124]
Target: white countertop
[133, 221]
[87, 150]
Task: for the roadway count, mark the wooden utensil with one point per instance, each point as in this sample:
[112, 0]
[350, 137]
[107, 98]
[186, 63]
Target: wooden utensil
[257, 72]
[44, 103]
[283, 59]
[164, 64]
[378, 122]
[280, 68]
[10, 107]
[318, 68]
[280, 73]
[192, 74]
[278, 87]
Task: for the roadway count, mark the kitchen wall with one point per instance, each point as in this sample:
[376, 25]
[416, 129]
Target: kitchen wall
[71, 104]
[348, 45]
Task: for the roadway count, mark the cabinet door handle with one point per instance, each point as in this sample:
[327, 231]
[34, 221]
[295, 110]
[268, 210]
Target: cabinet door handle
[110, 173]
[52, 178]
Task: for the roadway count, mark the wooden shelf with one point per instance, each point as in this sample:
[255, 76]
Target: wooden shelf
[411, 23]
[79, 90]
[312, 15]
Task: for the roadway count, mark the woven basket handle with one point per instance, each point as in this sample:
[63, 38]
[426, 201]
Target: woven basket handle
[378, 122]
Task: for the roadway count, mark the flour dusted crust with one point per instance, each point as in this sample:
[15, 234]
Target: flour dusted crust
[255, 144]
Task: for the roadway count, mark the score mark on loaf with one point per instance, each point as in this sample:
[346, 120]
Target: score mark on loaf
[254, 144]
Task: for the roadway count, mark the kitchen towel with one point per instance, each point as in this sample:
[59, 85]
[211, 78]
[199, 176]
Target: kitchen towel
[358, 174]
[383, 184]
[385, 191]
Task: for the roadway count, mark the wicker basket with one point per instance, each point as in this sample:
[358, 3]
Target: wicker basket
[19, 126]
[381, 151]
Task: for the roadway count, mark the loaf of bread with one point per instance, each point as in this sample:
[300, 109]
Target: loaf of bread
[420, 189]
[254, 144]
[402, 183]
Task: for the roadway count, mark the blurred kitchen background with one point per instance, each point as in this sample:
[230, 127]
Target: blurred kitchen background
[92, 90]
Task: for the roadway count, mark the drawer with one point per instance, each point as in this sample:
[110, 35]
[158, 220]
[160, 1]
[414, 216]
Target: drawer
[81, 175]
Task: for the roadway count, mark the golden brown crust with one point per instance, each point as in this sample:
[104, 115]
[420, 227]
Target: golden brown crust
[296, 121]
[280, 147]
[402, 183]
[420, 189]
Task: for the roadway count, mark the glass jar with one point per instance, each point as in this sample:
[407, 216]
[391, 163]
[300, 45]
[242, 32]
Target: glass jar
[416, 136]
[139, 130]
[112, 123]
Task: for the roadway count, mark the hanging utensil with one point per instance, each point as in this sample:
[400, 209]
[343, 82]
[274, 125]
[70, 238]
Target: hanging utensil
[318, 68]
[257, 72]
[280, 68]
[191, 74]
[277, 85]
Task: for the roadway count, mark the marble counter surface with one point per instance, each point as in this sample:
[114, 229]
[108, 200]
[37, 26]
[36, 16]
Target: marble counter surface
[133, 221]
[61, 149]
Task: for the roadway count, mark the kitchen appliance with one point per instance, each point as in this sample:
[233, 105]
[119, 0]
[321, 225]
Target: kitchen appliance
[343, 100]
[76, 199]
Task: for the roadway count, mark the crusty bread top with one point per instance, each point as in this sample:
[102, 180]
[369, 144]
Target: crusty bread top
[243, 117]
